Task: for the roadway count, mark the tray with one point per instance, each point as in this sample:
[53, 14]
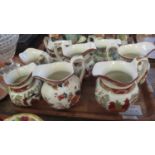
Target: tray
[88, 108]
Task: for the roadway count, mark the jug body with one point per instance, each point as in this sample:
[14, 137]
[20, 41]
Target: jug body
[23, 88]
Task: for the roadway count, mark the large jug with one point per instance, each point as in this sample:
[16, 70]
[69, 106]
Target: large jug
[62, 87]
[116, 85]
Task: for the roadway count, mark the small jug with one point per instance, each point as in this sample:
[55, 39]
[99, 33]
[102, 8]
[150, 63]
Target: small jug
[31, 55]
[140, 51]
[23, 88]
[106, 48]
[114, 91]
[86, 50]
[54, 47]
[61, 88]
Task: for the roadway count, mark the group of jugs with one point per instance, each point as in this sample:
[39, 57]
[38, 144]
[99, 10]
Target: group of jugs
[59, 82]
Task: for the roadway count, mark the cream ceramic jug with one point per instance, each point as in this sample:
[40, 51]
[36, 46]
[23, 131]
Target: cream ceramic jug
[31, 55]
[23, 88]
[106, 49]
[54, 47]
[140, 51]
[85, 50]
[112, 92]
[61, 92]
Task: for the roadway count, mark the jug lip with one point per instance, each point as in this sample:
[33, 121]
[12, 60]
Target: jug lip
[83, 53]
[118, 83]
[20, 83]
[8, 76]
[130, 59]
[53, 81]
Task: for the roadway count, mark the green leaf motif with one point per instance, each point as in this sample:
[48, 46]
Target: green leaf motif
[18, 98]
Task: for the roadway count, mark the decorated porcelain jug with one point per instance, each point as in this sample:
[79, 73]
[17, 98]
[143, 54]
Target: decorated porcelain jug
[85, 50]
[31, 55]
[116, 85]
[54, 48]
[62, 87]
[140, 51]
[106, 48]
[23, 88]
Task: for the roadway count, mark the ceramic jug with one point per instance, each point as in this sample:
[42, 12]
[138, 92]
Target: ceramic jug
[23, 88]
[106, 49]
[86, 50]
[61, 92]
[114, 94]
[31, 55]
[54, 47]
[140, 51]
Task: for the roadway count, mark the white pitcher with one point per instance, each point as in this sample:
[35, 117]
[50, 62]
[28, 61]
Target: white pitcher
[140, 51]
[85, 50]
[106, 49]
[116, 95]
[54, 48]
[61, 93]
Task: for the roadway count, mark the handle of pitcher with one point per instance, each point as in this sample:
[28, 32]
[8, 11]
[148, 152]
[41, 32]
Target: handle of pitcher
[79, 59]
[143, 67]
[108, 50]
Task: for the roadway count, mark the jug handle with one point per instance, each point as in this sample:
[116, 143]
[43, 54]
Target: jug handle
[142, 69]
[78, 59]
[62, 46]
[108, 48]
[45, 40]
[91, 39]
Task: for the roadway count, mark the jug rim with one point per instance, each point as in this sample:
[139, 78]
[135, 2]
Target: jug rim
[20, 83]
[136, 45]
[83, 53]
[118, 83]
[27, 77]
[53, 81]
[44, 77]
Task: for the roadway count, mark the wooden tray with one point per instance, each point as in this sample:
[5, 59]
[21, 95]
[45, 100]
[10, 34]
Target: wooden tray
[88, 108]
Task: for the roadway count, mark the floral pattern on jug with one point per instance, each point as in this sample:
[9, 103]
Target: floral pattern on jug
[65, 95]
[115, 101]
[32, 93]
[27, 90]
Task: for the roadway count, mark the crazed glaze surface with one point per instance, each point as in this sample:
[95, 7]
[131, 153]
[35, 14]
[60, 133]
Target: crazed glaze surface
[115, 100]
[62, 95]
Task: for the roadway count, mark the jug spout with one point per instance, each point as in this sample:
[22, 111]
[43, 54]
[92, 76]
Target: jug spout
[46, 72]
[25, 72]
[102, 69]
[146, 48]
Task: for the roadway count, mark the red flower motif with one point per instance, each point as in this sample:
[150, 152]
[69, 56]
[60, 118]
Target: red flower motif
[24, 118]
[111, 106]
[126, 105]
[60, 97]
